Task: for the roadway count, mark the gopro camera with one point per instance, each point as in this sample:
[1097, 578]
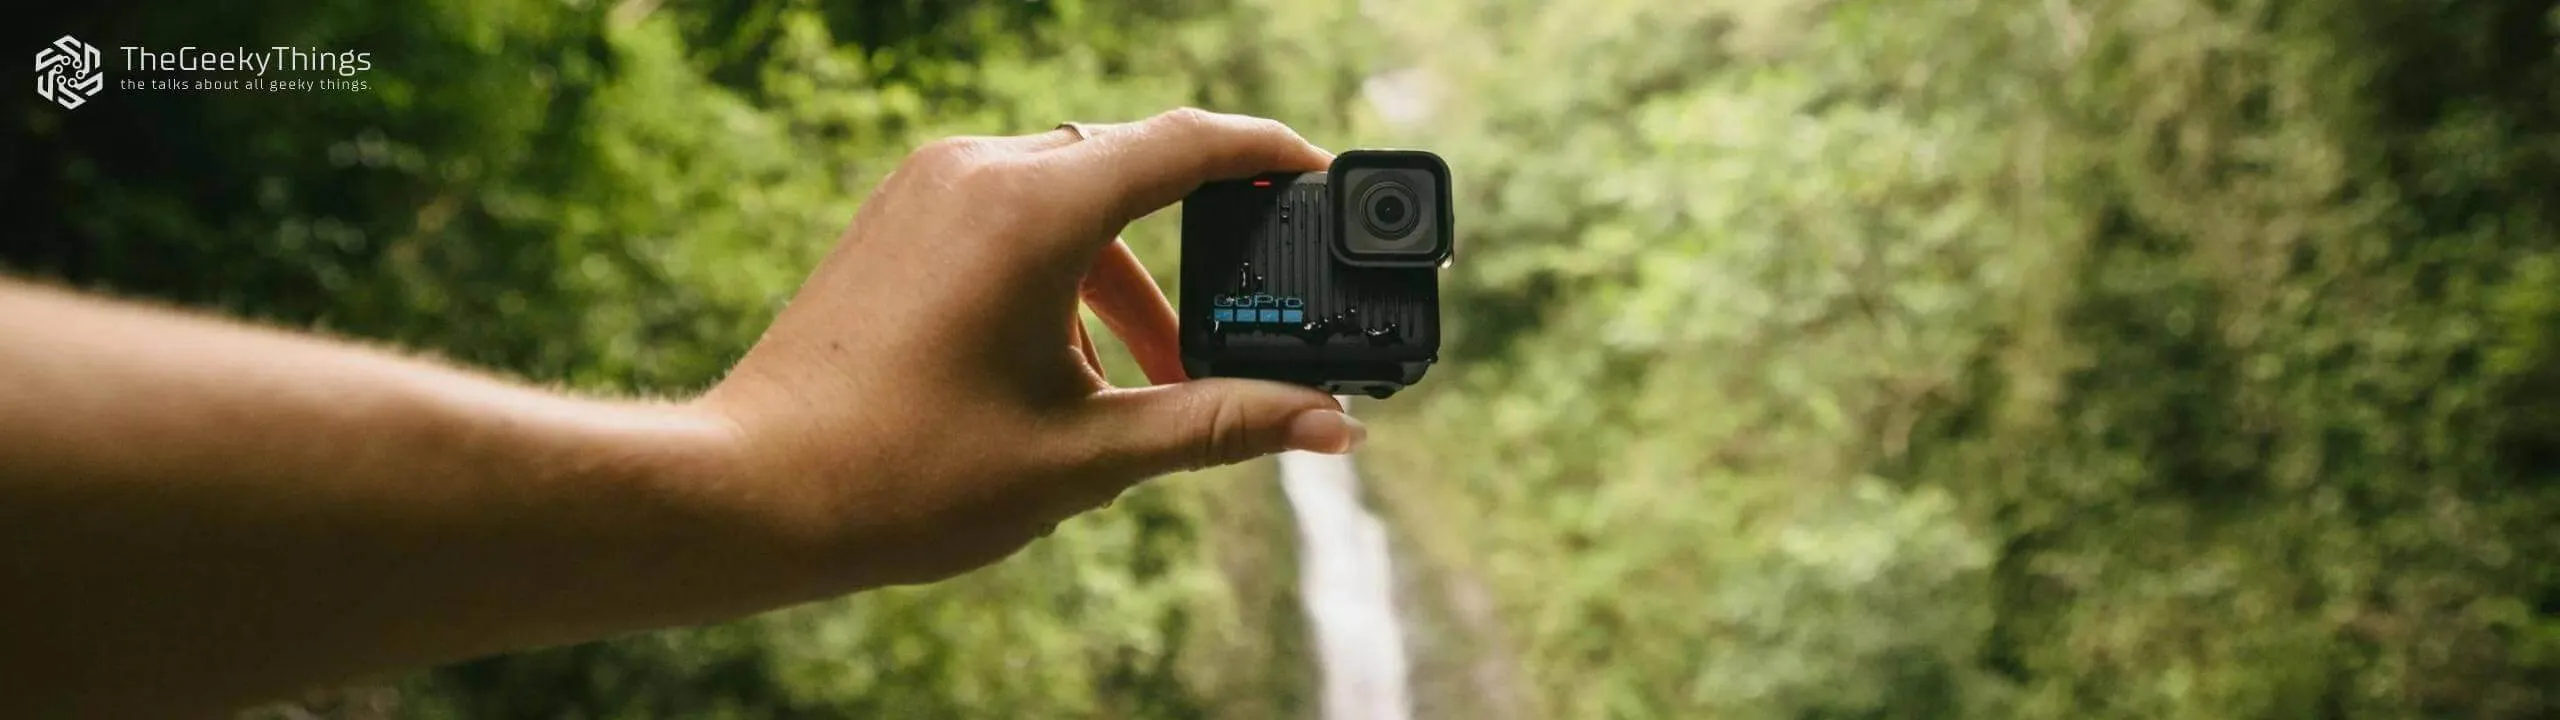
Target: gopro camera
[1327, 279]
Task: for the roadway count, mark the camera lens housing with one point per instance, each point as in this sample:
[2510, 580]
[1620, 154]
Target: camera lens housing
[1387, 207]
[1392, 208]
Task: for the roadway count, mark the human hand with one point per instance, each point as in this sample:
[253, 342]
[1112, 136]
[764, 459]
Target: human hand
[930, 403]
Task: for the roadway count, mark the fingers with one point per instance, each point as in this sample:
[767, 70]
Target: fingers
[1109, 174]
[1119, 290]
[1144, 432]
[1084, 345]
[1135, 169]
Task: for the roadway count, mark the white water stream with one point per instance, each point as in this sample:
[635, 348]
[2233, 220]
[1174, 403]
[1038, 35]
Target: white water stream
[1346, 582]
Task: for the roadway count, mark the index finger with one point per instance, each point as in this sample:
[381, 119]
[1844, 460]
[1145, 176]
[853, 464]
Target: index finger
[1140, 167]
[1121, 292]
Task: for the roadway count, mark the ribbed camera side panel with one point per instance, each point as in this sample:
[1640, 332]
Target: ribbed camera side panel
[1303, 259]
[1305, 247]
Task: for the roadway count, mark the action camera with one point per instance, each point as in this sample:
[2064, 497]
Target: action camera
[1327, 279]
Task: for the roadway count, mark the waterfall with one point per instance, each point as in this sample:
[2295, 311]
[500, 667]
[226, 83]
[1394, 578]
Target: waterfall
[1346, 583]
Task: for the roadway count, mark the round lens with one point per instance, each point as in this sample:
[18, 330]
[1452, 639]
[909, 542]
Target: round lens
[1388, 209]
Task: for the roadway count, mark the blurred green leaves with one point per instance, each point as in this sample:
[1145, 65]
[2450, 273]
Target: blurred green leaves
[2173, 309]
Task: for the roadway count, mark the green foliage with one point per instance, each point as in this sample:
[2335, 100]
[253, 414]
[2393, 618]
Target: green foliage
[2298, 236]
[1711, 329]
[1987, 358]
[2159, 335]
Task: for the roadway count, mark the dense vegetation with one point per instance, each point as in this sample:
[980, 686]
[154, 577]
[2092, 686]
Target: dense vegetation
[1984, 358]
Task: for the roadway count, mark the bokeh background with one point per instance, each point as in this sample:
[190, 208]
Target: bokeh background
[1811, 358]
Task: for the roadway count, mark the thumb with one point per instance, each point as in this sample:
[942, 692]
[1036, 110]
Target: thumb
[1150, 431]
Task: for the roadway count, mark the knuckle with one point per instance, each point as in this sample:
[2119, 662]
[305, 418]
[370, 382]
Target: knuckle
[1270, 136]
[1004, 189]
[1187, 119]
[1224, 435]
[947, 155]
[970, 167]
[978, 179]
[1029, 188]
[1265, 126]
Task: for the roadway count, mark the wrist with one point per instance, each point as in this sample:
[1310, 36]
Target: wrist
[809, 482]
[703, 530]
[752, 524]
[768, 514]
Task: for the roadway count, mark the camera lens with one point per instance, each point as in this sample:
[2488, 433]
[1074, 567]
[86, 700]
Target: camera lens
[1388, 209]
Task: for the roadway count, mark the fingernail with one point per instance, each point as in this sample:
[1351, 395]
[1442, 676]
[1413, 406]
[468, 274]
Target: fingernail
[1325, 431]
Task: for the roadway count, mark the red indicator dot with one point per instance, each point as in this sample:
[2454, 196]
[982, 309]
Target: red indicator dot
[1262, 183]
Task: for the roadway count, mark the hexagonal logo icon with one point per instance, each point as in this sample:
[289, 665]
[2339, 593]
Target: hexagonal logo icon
[68, 72]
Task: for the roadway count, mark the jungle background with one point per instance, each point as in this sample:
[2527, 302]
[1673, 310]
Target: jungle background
[1810, 358]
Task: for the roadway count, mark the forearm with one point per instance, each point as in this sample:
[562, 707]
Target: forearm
[192, 506]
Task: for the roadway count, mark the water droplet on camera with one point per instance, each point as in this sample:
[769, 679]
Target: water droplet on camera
[1384, 336]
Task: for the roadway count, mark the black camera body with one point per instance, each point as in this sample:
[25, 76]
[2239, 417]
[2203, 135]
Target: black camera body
[1327, 279]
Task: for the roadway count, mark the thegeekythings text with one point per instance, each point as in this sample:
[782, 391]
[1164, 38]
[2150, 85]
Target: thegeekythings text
[281, 58]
